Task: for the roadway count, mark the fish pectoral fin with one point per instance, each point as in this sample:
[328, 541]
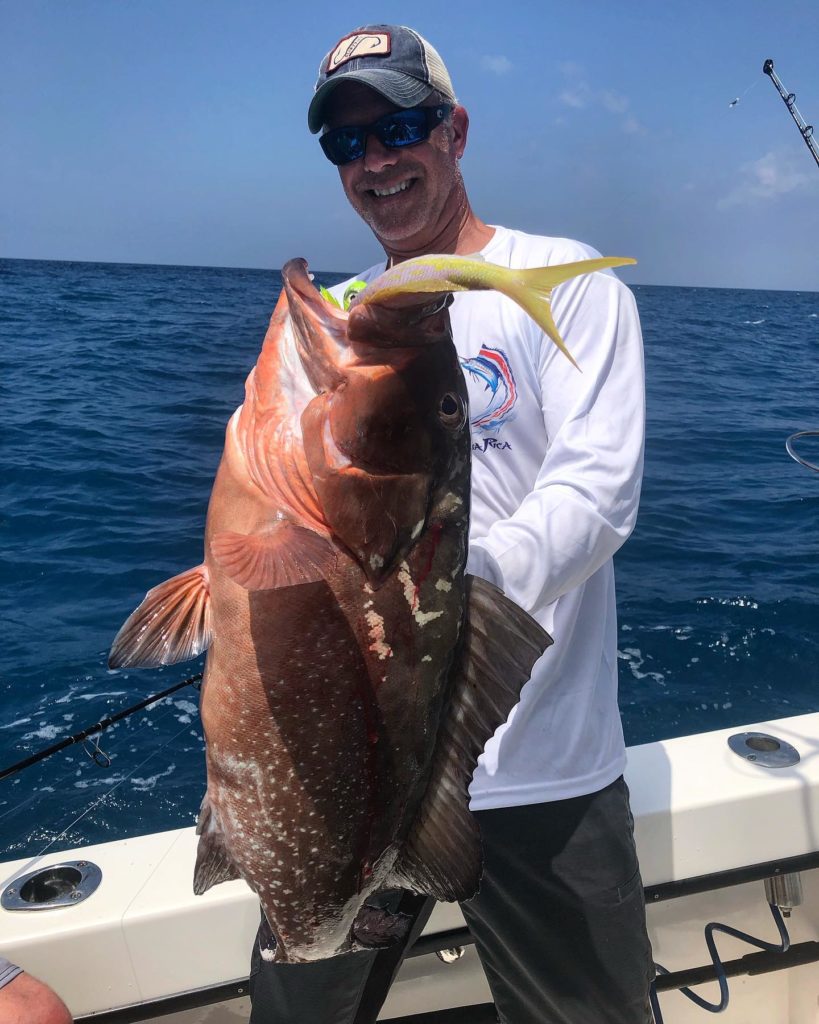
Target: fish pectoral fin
[442, 855]
[172, 624]
[213, 862]
[286, 556]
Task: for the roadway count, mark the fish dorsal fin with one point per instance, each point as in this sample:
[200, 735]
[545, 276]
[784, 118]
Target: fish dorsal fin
[285, 556]
[442, 855]
[213, 862]
[172, 624]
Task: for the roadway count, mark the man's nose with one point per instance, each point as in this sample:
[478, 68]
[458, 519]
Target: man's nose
[377, 156]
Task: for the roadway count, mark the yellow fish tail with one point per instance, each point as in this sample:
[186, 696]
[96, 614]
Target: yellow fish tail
[531, 289]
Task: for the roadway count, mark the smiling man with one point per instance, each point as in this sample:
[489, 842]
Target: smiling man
[559, 921]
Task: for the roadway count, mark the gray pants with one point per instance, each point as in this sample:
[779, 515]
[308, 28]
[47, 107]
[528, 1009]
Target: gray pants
[559, 924]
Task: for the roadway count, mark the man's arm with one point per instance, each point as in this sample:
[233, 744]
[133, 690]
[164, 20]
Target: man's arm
[25, 1000]
[583, 504]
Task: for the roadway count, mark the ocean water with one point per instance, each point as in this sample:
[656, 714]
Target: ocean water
[116, 382]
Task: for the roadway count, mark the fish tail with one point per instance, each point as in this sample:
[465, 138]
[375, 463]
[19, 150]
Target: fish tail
[532, 289]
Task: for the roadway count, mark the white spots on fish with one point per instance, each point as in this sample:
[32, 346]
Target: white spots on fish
[426, 657]
[410, 590]
[422, 618]
[378, 639]
[448, 504]
[376, 561]
[411, 593]
[416, 530]
[443, 585]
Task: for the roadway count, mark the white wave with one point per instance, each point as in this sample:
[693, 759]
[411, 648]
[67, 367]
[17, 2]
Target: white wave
[148, 783]
[633, 656]
[99, 780]
[73, 695]
[730, 602]
[45, 732]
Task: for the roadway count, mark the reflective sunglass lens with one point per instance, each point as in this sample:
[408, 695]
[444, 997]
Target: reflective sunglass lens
[343, 145]
[403, 128]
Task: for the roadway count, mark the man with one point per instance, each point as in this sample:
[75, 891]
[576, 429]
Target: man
[559, 921]
[25, 1000]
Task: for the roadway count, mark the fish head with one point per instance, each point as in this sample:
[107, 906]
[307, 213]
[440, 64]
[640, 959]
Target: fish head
[386, 437]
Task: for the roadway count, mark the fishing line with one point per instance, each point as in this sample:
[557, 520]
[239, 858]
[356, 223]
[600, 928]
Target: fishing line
[71, 770]
[95, 803]
[83, 735]
[742, 96]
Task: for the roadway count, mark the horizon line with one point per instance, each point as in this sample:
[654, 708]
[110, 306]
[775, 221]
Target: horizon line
[344, 273]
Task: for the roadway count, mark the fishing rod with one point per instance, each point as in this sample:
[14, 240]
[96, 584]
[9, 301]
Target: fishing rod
[789, 99]
[806, 131]
[80, 737]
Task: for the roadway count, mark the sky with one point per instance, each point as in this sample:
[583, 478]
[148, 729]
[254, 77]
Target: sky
[174, 131]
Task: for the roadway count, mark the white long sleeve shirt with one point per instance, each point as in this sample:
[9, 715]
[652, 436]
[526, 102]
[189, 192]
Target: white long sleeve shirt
[557, 459]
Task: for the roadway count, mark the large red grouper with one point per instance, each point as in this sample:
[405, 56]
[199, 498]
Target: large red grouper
[353, 671]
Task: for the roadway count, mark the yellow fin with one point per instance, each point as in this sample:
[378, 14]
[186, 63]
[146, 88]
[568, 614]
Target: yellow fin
[532, 289]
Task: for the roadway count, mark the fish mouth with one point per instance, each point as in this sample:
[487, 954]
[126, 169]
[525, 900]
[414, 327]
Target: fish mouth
[389, 191]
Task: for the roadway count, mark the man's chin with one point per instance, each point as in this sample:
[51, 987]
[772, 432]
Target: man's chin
[394, 218]
[393, 229]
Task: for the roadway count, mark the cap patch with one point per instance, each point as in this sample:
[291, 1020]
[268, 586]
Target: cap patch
[359, 44]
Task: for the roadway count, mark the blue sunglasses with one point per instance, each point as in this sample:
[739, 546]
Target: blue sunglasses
[396, 130]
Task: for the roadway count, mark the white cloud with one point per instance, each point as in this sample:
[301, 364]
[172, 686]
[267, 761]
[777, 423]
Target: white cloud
[578, 94]
[631, 126]
[772, 175]
[498, 65]
[614, 102]
[577, 97]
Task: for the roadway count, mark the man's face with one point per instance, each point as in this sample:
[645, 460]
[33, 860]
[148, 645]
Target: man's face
[428, 173]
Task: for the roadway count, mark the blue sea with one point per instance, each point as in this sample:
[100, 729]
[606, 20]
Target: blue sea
[116, 383]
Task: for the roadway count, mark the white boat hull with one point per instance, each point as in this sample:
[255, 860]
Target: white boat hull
[699, 810]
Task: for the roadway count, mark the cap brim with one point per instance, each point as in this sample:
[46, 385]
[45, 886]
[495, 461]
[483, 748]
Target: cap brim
[400, 89]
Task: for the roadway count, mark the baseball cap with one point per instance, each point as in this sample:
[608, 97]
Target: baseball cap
[392, 59]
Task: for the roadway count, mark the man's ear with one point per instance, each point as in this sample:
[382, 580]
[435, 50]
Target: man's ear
[460, 130]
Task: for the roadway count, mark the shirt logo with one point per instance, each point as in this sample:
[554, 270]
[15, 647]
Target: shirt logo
[494, 405]
[360, 44]
[490, 442]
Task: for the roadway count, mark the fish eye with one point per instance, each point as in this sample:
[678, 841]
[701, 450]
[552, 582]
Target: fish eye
[451, 410]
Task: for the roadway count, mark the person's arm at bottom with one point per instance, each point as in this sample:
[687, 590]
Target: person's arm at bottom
[25, 1000]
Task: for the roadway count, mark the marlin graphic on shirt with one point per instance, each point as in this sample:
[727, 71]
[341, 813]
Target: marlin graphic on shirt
[494, 405]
